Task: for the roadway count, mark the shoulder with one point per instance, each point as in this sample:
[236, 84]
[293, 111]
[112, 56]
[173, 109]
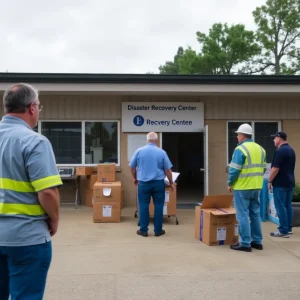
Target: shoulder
[160, 151]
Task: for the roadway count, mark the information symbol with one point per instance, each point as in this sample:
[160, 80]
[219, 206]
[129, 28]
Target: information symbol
[138, 120]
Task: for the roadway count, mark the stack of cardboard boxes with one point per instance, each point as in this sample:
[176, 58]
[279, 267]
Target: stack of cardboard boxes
[215, 221]
[170, 202]
[89, 177]
[107, 195]
[102, 191]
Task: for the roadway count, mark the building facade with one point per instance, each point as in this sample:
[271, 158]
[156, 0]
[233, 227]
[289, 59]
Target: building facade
[98, 118]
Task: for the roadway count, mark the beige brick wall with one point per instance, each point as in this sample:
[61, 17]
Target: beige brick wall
[292, 129]
[217, 156]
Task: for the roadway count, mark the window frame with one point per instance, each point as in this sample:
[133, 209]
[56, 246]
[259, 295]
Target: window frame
[83, 139]
[252, 125]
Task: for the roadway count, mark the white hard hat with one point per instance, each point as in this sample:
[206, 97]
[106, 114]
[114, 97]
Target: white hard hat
[245, 128]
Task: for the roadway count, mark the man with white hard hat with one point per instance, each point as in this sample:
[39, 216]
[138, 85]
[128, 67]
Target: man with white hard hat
[246, 180]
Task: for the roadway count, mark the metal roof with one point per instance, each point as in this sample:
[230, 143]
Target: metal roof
[148, 78]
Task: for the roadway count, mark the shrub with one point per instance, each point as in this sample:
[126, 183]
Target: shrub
[296, 195]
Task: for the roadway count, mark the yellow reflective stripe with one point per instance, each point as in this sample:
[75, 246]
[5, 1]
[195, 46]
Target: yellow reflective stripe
[21, 209]
[46, 182]
[15, 185]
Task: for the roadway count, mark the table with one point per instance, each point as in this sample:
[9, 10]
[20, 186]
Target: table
[76, 179]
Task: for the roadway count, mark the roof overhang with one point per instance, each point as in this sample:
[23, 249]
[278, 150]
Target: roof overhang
[154, 84]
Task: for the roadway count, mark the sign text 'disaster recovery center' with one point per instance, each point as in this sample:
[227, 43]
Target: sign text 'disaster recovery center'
[162, 116]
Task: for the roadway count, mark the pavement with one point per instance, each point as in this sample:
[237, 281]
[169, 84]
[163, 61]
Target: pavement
[110, 262]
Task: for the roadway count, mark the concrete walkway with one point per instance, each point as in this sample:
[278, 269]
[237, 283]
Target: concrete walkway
[110, 262]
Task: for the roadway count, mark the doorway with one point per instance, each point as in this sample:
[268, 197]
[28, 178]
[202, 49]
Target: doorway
[186, 152]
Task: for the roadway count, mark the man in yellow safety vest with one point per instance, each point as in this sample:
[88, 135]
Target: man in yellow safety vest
[245, 179]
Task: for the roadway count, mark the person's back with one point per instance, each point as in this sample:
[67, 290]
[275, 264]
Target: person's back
[246, 180]
[151, 164]
[29, 199]
[19, 226]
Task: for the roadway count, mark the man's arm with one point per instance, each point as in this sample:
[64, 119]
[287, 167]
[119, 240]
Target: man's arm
[169, 176]
[277, 162]
[133, 165]
[273, 174]
[235, 167]
[167, 168]
[133, 173]
[50, 201]
[44, 177]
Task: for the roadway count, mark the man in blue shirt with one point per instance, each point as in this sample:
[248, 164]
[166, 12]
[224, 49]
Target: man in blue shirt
[29, 198]
[149, 166]
[282, 179]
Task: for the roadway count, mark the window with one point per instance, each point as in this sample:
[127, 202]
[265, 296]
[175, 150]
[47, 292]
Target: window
[101, 142]
[82, 142]
[65, 138]
[261, 134]
[263, 131]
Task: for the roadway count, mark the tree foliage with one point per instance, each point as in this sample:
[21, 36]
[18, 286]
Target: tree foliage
[226, 48]
[278, 23]
[274, 48]
[223, 50]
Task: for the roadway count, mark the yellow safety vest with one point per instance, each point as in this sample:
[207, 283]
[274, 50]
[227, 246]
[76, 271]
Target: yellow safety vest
[252, 172]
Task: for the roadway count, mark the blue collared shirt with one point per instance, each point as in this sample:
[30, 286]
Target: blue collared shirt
[151, 163]
[26, 158]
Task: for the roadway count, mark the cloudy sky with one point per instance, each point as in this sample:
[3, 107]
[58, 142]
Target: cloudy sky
[115, 36]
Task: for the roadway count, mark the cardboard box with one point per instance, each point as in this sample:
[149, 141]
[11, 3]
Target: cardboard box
[88, 197]
[215, 221]
[107, 192]
[107, 212]
[170, 202]
[106, 172]
[83, 171]
[89, 181]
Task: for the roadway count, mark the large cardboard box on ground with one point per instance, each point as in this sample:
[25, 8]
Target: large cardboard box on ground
[106, 172]
[170, 202]
[88, 182]
[215, 221]
[108, 191]
[107, 212]
[88, 197]
[107, 197]
[83, 171]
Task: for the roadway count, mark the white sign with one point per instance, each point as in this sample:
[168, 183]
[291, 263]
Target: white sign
[272, 210]
[162, 116]
[135, 141]
[221, 234]
[106, 211]
[268, 171]
[165, 212]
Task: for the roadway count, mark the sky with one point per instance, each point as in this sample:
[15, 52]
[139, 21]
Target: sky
[115, 36]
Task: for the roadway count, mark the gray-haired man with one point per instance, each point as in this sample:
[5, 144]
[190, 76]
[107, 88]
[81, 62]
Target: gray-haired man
[29, 199]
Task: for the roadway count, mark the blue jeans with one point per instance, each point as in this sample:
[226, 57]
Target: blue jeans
[23, 271]
[156, 189]
[283, 204]
[247, 206]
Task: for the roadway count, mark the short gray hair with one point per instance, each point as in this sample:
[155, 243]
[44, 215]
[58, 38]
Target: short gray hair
[151, 136]
[18, 97]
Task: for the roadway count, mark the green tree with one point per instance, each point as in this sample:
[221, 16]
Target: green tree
[278, 31]
[172, 67]
[226, 49]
